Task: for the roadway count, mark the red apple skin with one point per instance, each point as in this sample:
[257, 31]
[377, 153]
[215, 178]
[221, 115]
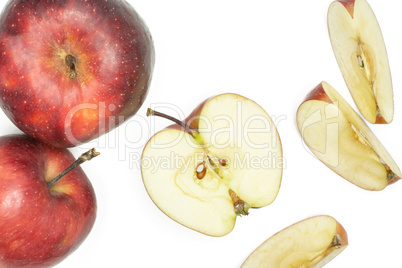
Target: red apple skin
[318, 93]
[39, 226]
[114, 56]
[380, 120]
[349, 5]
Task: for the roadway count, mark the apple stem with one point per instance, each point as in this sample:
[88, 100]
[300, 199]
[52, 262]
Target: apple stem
[189, 129]
[84, 157]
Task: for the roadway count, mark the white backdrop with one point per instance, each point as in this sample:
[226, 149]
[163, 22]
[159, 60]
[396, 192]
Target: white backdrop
[273, 52]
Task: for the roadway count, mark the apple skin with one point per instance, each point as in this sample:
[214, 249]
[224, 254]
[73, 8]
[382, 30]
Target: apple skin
[39, 226]
[349, 5]
[114, 59]
[318, 93]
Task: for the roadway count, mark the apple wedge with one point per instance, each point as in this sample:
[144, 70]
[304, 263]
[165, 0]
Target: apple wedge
[360, 51]
[223, 159]
[309, 243]
[338, 136]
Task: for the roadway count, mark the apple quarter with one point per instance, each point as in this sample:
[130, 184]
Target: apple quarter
[360, 51]
[338, 137]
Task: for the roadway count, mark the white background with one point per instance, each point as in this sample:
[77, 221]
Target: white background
[273, 52]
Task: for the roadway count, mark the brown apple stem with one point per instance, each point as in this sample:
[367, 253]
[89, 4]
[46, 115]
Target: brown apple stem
[189, 129]
[84, 157]
[71, 61]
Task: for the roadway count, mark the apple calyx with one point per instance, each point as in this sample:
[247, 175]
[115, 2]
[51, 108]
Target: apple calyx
[83, 158]
[240, 207]
[71, 61]
[337, 241]
[360, 137]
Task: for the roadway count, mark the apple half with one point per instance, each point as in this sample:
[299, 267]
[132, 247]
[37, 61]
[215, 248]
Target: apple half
[223, 159]
[310, 243]
[360, 51]
[338, 137]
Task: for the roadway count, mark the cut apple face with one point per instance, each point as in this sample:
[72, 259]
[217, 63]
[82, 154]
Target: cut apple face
[338, 137]
[309, 243]
[225, 158]
[360, 51]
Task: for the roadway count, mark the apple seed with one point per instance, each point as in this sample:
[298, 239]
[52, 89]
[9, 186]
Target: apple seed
[360, 60]
[222, 162]
[201, 170]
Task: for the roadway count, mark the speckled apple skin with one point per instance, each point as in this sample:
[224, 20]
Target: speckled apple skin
[39, 226]
[114, 56]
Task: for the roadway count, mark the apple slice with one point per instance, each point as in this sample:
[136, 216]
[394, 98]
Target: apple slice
[338, 136]
[359, 48]
[223, 159]
[309, 243]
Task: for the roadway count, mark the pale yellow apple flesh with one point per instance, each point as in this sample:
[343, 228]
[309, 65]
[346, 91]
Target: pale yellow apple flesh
[360, 51]
[309, 243]
[233, 160]
[337, 135]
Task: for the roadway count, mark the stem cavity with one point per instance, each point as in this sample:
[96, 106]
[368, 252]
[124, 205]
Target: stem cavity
[71, 61]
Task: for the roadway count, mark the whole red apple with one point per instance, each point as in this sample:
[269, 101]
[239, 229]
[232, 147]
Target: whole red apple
[72, 70]
[41, 225]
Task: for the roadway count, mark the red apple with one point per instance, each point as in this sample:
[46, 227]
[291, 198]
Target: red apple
[72, 70]
[40, 224]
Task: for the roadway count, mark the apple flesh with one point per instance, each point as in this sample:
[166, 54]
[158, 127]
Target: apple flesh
[41, 225]
[337, 135]
[311, 243]
[223, 159]
[72, 70]
[360, 51]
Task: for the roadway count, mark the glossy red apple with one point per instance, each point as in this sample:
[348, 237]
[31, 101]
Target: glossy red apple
[72, 70]
[40, 223]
